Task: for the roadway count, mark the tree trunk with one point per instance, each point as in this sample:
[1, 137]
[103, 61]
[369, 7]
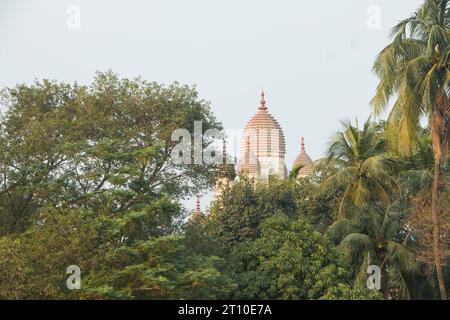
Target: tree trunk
[385, 285]
[435, 214]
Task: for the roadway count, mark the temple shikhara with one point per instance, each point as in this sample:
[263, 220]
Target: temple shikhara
[263, 148]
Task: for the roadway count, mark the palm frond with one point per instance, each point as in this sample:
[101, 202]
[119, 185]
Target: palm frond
[356, 243]
[340, 229]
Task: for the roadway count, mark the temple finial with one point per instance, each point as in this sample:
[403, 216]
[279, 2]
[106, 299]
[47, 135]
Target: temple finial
[262, 105]
[197, 207]
[303, 144]
[224, 149]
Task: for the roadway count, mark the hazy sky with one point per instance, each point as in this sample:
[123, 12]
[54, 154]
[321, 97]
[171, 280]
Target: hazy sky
[313, 58]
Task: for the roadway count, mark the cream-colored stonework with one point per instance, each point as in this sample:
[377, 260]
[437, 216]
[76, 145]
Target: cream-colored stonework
[263, 146]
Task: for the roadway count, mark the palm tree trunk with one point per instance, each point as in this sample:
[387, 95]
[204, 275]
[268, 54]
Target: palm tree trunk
[437, 229]
[341, 213]
[385, 286]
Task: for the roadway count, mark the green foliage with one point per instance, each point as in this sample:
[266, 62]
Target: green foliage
[236, 217]
[34, 263]
[87, 179]
[414, 68]
[290, 260]
[374, 238]
[105, 147]
[360, 167]
[201, 236]
[158, 269]
[293, 174]
[346, 292]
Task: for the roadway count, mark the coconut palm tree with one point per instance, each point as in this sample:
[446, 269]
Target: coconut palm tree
[414, 68]
[416, 181]
[371, 238]
[416, 174]
[358, 165]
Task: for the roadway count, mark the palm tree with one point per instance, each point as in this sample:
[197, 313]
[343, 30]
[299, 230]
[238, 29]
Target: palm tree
[373, 238]
[416, 181]
[416, 174]
[414, 67]
[359, 166]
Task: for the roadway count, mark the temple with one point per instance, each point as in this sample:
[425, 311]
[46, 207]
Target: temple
[263, 150]
[303, 162]
[263, 146]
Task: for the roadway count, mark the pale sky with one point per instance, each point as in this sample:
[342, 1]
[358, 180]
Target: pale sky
[313, 58]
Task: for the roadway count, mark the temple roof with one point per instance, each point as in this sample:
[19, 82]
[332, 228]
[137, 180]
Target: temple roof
[304, 160]
[249, 163]
[263, 134]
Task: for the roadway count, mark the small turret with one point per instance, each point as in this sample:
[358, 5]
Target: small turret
[197, 214]
[307, 165]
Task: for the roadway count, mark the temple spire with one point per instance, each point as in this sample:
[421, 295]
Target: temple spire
[197, 206]
[262, 102]
[224, 150]
[307, 165]
[197, 213]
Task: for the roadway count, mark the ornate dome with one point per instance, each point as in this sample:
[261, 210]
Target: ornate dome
[263, 145]
[305, 161]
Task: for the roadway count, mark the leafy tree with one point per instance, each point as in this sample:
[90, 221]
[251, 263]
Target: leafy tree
[159, 269]
[105, 147]
[244, 205]
[113, 266]
[290, 260]
[87, 178]
[200, 233]
[345, 292]
[414, 67]
[34, 263]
